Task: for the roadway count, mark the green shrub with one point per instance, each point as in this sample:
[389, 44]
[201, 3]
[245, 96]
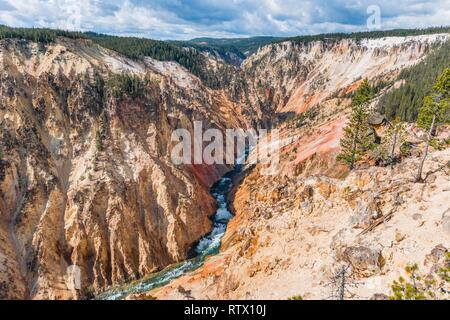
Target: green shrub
[435, 285]
[126, 84]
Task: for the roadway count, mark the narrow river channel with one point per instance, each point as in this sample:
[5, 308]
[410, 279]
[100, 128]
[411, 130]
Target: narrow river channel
[207, 246]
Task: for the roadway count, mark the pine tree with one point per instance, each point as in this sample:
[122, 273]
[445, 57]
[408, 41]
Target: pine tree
[357, 140]
[395, 136]
[434, 113]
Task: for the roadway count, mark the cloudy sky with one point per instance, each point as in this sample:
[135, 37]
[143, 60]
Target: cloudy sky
[185, 19]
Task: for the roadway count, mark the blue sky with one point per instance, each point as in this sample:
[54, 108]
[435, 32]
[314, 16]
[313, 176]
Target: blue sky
[178, 19]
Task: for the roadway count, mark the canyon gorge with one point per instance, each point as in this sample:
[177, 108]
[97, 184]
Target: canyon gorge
[86, 177]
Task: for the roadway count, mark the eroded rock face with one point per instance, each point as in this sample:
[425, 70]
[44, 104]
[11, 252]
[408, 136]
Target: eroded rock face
[86, 177]
[363, 260]
[292, 228]
[366, 212]
[299, 248]
[292, 77]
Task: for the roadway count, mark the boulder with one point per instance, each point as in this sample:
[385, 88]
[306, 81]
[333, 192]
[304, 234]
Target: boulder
[365, 213]
[365, 261]
[376, 119]
[437, 254]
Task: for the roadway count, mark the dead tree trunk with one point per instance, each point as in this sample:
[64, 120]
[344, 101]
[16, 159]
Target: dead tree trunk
[342, 280]
[394, 144]
[422, 162]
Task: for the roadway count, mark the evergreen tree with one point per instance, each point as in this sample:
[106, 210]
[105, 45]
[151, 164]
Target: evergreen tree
[418, 286]
[357, 140]
[405, 102]
[434, 113]
[126, 84]
[395, 136]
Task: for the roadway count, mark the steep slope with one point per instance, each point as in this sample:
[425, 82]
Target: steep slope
[291, 234]
[86, 177]
[291, 77]
[294, 229]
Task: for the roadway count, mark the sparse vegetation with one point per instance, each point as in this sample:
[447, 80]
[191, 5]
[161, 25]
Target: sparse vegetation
[417, 286]
[395, 136]
[304, 118]
[341, 282]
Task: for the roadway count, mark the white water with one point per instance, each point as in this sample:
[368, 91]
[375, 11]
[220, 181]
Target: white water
[208, 245]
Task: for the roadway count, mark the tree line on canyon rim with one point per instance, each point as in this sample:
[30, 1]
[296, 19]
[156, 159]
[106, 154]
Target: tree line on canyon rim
[189, 53]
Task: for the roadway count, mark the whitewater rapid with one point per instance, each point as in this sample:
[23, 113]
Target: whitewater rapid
[207, 246]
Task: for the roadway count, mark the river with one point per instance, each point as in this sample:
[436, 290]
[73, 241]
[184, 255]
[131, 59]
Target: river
[207, 246]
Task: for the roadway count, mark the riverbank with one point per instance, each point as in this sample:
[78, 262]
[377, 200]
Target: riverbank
[209, 245]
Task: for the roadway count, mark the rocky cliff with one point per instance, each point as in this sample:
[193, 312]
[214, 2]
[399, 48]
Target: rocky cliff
[86, 177]
[291, 77]
[291, 235]
[293, 230]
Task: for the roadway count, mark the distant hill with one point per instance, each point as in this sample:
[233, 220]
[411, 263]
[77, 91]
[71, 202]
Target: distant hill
[232, 50]
[244, 45]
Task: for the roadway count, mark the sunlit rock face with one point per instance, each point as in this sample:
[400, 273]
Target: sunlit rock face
[86, 177]
[294, 229]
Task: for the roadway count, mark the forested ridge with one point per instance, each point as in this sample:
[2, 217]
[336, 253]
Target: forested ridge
[405, 102]
[44, 35]
[334, 37]
[131, 47]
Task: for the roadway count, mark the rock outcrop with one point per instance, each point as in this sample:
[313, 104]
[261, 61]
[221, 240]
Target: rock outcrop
[86, 176]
